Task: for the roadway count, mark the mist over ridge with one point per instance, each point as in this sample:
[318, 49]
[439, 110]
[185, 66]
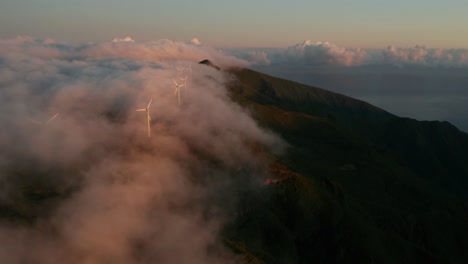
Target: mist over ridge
[108, 193]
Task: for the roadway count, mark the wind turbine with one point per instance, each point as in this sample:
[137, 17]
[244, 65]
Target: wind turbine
[189, 69]
[52, 118]
[185, 80]
[46, 122]
[148, 116]
[177, 89]
[179, 70]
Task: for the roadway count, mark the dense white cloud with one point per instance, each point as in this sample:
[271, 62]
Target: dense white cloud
[162, 50]
[308, 52]
[195, 41]
[126, 39]
[113, 195]
[420, 55]
[257, 57]
[326, 53]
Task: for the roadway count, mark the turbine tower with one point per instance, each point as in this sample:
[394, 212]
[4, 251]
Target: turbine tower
[189, 69]
[177, 89]
[148, 116]
[184, 80]
[179, 70]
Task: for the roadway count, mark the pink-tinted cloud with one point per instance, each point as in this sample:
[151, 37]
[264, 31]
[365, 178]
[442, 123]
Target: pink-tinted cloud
[258, 58]
[28, 46]
[195, 41]
[422, 56]
[326, 53]
[113, 195]
[162, 50]
[126, 39]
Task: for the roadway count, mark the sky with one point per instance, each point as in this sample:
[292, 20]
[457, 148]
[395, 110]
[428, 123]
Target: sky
[243, 23]
[418, 50]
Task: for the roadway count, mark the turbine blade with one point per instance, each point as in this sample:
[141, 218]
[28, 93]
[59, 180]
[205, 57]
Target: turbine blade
[35, 121]
[141, 110]
[175, 82]
[150, 102]
[52, 118]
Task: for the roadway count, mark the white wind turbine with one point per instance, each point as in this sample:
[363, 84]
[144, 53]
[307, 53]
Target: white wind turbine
[177, 89]
[189, 68]
[184, 80]
[179, 70]
[147, 115]
[46, 122]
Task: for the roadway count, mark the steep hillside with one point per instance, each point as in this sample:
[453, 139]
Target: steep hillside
[364, 186]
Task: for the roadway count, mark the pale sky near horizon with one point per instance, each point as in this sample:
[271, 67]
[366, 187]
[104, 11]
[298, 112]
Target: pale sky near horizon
[243, 23]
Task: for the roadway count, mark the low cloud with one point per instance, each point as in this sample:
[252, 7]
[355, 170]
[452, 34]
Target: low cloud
[162, 50]
[327, 53]
[90, 186]
[196, 41]
[422, 56]
[323, 53]
[126, 39]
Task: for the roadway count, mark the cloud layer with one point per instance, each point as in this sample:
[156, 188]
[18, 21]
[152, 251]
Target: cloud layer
[326, 53]
[422, 56]
[90, 186]
[322, 53]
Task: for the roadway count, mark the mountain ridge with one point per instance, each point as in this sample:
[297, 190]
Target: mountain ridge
[391, 188]
[355, 118]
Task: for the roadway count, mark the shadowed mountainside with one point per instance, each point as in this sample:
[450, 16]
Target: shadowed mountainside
[361, 185]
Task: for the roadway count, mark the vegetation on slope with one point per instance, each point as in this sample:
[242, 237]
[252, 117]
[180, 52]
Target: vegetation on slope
[368, 186]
